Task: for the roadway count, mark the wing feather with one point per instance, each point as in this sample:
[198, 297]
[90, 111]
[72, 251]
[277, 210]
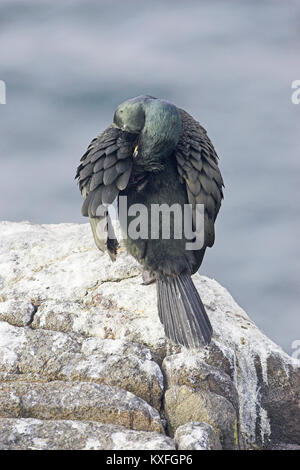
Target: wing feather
[105, 169]
[197, 164]
[123, 179]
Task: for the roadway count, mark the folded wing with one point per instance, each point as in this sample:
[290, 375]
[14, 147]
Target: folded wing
[105, 169]
[197, 165]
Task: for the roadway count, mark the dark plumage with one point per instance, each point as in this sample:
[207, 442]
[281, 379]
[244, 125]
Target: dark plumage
[156, 153]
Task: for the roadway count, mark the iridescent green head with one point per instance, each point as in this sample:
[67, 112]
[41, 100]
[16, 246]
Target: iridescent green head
[157, 124]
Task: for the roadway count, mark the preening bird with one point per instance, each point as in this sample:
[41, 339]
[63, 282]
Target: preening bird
[155, 153]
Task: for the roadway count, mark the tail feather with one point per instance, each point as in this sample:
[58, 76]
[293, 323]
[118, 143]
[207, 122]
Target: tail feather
[182, 312]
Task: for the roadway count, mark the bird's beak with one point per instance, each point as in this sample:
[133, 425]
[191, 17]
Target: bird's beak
[135, 151]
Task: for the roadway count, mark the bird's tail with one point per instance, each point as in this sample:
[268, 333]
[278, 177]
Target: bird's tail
[182, 312]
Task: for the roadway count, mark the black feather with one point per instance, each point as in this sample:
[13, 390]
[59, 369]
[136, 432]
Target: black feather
[86, 203]
[110, 175]
[86, 171]
[182, 312]
[99, 165]
[109, 161]
[109, 194]
[96, 154]
[96, 180]
[96, 202]
[123, 179]
[124, 165]
[111, 149]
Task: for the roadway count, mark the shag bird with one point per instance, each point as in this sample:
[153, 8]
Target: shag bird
[156, 153]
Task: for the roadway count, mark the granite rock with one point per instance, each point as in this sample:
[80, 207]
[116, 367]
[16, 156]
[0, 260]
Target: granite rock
[71, 319]
[35, 434]
[197, 436]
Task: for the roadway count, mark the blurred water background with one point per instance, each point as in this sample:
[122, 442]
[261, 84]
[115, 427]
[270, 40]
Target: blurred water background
[68, 64]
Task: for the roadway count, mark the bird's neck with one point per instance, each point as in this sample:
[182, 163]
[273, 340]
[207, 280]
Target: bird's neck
[160, 134]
